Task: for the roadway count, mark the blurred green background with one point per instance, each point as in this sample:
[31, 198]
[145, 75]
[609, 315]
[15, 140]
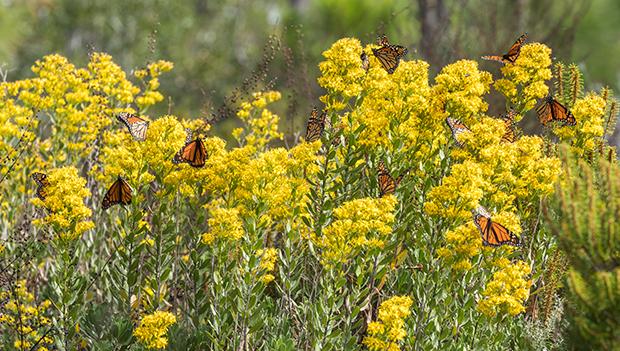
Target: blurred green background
[224, 50]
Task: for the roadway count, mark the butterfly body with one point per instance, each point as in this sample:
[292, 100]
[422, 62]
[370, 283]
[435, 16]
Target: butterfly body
[512, 54]
[119, 193]
[316, 125]
[389, 54]
[42, 182]
[135, 125]
[457, 127]
[552, 111]
[493, 233]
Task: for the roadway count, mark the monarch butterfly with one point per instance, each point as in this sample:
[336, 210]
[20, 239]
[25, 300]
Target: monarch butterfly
[365, 61]
[42, 182]
[387, 183]
[316, 125]
[512, 54]
[457, 128]
[194, 152]
[509, 134]
[137, 126]
[493, 234]
[551, 110]
[119, 193]
[388, 54]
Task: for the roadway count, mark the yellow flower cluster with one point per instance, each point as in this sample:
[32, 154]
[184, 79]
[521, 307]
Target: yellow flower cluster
[589, 112]
[389, 330]
[341, 73]
[361, 224]
[507, 291]
[494, 174]
[225, 223]
[151, 96]
[153, 329]
[459, 89]
[64, 201]
[23, 319]
[261, 124]
[82, 101]
[268, 258]
[524, 81]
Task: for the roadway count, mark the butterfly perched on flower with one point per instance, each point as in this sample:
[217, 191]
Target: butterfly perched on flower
[389, 54]
[119, 193]
[193, 153]
[512, 54]
[457, 127]
[316, 125]
[493, 233]
[509, 134]
[137, 126]
[387, 183]
[42, 182]
[550, 110]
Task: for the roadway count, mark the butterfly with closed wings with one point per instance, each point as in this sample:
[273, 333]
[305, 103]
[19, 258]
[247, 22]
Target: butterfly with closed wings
[193, 153]
[457, 128]
[387, 183]
[493, 233]
[512, 54]
[42, 182]
[316, 125]
[509, 120]
[119, 193]
[135, 125]
[389, 54]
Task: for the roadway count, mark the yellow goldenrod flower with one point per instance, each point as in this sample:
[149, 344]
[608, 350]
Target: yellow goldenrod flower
[225, 223]
[507, 291]
[358, 224]
[153, 329]
[588, 133]
[64, 202]
[389, 330]
[524, 81]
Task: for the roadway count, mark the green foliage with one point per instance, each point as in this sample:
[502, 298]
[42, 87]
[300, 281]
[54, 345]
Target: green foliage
[583, 216]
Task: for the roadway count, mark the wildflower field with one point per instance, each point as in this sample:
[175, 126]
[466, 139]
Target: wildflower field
[404, 217]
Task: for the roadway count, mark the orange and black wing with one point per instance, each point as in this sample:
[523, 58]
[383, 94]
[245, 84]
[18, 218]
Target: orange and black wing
[457, 128]
[193, 153]
[552, 111]
[494, 234]
[316, 125]
[387, 183]
[119, 193]
[137, 126]
[512, 54]
[42, 182]
[388, 54]
[509, 132]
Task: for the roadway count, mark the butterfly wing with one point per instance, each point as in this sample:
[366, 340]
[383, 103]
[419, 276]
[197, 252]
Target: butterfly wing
[509, 130]
[390, 56]
[561, 113]
[118, 193]
[457, 128]
[515, 49]
[42, 182]
[513, 52]
[137, 126]
[316, 125]
[494, 234]
[387, 184]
